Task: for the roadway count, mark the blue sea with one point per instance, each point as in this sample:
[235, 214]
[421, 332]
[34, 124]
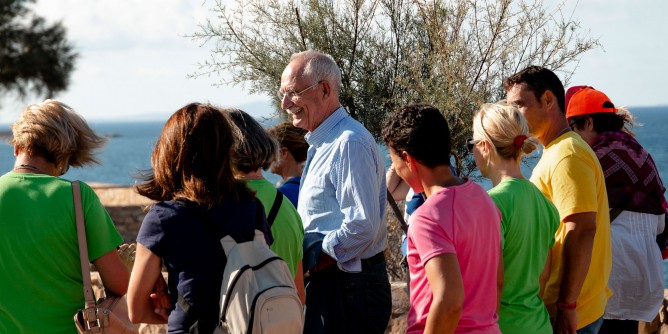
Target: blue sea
[129, 147]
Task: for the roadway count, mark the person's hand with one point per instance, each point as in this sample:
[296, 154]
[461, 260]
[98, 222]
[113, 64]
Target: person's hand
[127, 254]
[160, 298]
[324, 261]
[566, 322]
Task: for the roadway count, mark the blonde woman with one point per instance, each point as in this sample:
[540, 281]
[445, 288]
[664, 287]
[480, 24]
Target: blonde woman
[500, 138]
[41, 285]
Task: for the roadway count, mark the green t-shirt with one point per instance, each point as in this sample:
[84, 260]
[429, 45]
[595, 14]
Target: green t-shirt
[287, 229]
[40, 274]
[528, 224]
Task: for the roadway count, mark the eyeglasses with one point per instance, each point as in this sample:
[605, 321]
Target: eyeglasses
[470, 143]
[291, 94]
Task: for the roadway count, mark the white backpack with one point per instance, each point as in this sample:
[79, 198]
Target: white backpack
[258, 293]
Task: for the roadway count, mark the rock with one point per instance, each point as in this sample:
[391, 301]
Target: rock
[400, 307]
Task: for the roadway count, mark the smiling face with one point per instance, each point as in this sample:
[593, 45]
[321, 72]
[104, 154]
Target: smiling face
[309, 108]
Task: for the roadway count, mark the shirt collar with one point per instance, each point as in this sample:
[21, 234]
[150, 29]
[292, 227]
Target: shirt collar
[319, 135]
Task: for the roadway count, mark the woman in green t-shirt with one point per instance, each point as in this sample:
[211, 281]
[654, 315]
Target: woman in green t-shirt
[529, 220]
[41, 286]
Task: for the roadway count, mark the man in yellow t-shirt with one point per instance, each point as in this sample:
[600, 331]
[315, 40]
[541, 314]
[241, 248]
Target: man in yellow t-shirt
[569, 175]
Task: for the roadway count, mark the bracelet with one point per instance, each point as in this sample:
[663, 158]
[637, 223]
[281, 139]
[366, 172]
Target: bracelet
[566, 306]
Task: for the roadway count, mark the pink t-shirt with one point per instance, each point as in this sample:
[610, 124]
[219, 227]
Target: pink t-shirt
[461, 220]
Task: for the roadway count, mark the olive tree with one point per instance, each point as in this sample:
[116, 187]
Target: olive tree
[451, 54]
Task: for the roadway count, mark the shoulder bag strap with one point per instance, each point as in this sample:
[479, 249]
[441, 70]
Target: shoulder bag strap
[83, 249]
[275, 207]
[397, 212]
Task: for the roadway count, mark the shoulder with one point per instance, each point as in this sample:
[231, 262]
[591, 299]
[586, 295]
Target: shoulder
[571, 157]
[351, 130]
[164, 211]
[571, 146]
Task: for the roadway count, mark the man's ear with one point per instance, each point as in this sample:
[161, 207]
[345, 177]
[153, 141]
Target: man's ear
[548, 99]
[325, 88]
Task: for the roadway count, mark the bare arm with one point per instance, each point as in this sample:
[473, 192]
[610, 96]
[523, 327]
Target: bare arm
[576, 257]
[114, 274]
[299, 282]
[146, 274]
[445, 280]
[499, 283]
[545, 274]
[396, 185]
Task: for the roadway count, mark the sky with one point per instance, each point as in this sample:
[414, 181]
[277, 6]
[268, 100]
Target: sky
[134, 58]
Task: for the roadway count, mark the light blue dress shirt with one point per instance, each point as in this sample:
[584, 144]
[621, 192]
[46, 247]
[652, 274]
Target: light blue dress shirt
[342, 194]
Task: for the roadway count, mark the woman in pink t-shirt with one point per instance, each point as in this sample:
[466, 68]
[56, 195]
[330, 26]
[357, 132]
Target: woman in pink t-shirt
[454, 238]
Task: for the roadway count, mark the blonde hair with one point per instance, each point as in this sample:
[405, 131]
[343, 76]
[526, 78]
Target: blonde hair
[502, 125]
[57, 133]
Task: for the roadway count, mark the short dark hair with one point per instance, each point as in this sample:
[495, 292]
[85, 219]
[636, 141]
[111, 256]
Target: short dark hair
[539, 79]
[602, 122]
[420, 130]
[254, 148]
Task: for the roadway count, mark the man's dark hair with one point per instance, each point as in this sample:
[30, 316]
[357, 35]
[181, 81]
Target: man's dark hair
[539, 79]
[420, 130]
[602, 122]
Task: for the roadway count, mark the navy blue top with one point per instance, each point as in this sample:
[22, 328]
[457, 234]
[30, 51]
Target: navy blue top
[291, 189]
[194, 256]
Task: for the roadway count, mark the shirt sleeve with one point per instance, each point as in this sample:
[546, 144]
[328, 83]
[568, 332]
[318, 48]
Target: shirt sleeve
[151, 233]
[431, 238]
[357, 186]
[574, 186]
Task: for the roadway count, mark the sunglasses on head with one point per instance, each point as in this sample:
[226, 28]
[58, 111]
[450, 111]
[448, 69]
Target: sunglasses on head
[470, 143]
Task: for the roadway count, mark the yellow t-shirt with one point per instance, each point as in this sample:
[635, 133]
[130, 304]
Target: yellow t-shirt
[570, 175]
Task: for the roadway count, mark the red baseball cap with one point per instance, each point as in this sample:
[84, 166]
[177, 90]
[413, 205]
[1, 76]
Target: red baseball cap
[587, 100]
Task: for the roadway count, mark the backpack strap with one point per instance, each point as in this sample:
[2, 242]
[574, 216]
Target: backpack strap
[209, 223]
[274, 208]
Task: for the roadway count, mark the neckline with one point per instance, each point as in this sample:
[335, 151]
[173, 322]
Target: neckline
[31, 168]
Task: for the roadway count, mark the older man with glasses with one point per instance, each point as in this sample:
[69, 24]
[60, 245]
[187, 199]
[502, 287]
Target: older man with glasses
[341, 202]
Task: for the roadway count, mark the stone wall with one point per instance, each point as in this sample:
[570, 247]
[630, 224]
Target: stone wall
[126, 208]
